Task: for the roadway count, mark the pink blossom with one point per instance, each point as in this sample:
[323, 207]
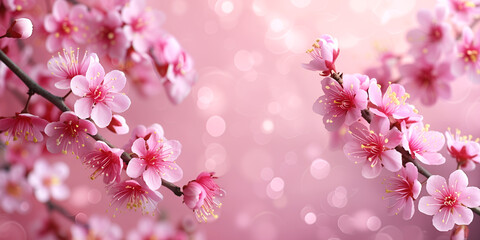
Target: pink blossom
[144, 78]
[428, 81]
[449, 203]
[99, 227]
[374, 147]
[69, 134]
[340, 104]
[459, 232]
[463, 11]
[324, 53]
[464, 150]
[109, 37]
[468, 60]
[433, 37]
[403, 189]
[14, 190]
[18, 5]
[20, 28]
[392, 104]
[143, 132]
[384, 73]
[100, 94]
[423, 144]
[106, 161]
[202, 195]
[23, 153]
[147, 228]
[24, 125]
[66, 26]
[65, 67]
[118, 125]
[141, 24]
[135, 195]
[48, 180]
[155, 161]
[175, 67]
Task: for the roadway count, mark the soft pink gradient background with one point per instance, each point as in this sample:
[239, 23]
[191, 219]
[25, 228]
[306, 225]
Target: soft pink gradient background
[248, 55]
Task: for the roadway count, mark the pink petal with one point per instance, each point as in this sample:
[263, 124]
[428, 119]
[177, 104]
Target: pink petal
[152, 178]
[470, 197]
[411, 171]
[88, 126]
[320, 106]
[430, 158]
[443, 220]
[79, 86]
[171, 172]
[101, 115]
[371, 172]
[462, 215]
[42, 194]
[135, 167]
[352, 116]
[374, 93]
[120, 103]
[467, 35]
[315, 65]
[60, 192]
[175, 148]
[435, 183]
[53, 43]
[408, 209]
[336, 122]
[50, 24]
[95, 73]
[60, 9]
[392, 160]
[83, 107]
[458, 180]
[435, 141]
[61, 170]
[354, 152]
[424, 18]
[139, 148]
[63, 84]
[428, 205]
[115, 81]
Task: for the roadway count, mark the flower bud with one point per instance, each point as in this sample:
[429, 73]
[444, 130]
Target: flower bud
[118, 125]
[20, 28]
[324, 52]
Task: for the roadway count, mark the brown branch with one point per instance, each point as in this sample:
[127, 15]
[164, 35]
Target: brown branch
[60, 104]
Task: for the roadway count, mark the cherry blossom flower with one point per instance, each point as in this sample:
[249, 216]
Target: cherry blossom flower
[135, 195]
[143, 132]
[110, 38]
[23, 153]
[23, 125]
[202, 195]
[427, 81]
[434, 36]
[106, 161]
[147, 228]
[392, 104]
[48, 180]
[14, 190]
[449, 203]
[155, 161]
[324, 53]
[118, 125]
[468, 59]
[464, 150]
[403, 189]
[99, 227]
[141, 24]
[423, 144]
[20, 28]
[66, 26]
[18, 5]
[69, 134]
[100, 94]
[340, 104]
[65, 67]
[374, 148]
[144, 78]
[463, 11]
[175, 67]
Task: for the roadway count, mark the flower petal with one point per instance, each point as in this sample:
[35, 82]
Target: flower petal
[152, 178]
[83, 107]
[79, 86]
[101, 115]
[135, 167]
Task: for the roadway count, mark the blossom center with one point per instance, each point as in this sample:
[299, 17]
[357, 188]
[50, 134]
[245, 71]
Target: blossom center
[435, 33]
[463, 5]
[51, 181]
[72, 128]
[14, 189]
[450, 200]
[426, 76]
[471, 55]
[98, 94]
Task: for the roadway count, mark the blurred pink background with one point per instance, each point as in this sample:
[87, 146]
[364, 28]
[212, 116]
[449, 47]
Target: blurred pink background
[249, 119]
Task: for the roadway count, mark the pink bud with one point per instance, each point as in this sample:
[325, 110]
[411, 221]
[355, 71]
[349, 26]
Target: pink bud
[21, 28]
[460, 232]
[118, 125]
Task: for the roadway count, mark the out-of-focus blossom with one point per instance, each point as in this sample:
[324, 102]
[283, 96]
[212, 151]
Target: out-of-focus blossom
[449, 203]
[23, 153]
[48, 180]
[155, 161]
[459, 232]
[427, 81]
[175, 67]
[67, 27]
[69, 134]
[14, 190]
[20, 28]
[147, 228]
[144, 77]
[141, 24]
[202, 195]
[341, 104]
[105, 161]
[118, 125]
[392, 104]
[99, 227]
[403, 189]
[423, 144]
[18, 5]
[65, 67]
[324, 52]
[143, 132]
[23, 125]
[464, 150]
[374, 147]
[109, 37]
[468, 50]
[384, 73]
[135, 195]
[463, 11]
[44, 109]
[433, 38]
[100, 94]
